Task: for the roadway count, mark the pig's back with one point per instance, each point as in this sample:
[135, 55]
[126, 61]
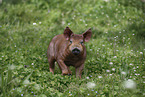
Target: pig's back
[57, 45]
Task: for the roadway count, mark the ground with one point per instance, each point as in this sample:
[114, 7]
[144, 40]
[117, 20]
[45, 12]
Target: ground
[115, 55]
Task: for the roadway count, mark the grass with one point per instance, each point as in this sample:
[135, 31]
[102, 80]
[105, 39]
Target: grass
[115, 54]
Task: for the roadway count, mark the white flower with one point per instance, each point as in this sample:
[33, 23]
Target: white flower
[113, 69]
[34, 23]
[91, 85]
[129, 84]
[40, 22]
[115, 57]
[124, 73]
[63, 22]
[130, 64]
[111, 63]
[141, 52]
[99, 76]
[107, 70]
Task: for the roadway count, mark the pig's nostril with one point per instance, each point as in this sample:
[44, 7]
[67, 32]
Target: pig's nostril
[75, 51]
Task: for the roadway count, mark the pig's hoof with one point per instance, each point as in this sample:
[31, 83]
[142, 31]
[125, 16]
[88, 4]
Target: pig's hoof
[69, 74]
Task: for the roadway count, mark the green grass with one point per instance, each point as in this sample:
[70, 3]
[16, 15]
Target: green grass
[115, 53]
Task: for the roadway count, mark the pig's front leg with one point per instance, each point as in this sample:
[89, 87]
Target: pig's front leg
[79, 71]
[63, 67]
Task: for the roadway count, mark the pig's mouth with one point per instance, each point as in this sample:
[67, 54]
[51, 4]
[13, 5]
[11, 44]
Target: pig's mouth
[76, 51]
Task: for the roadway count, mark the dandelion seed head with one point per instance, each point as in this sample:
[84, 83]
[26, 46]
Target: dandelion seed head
[91, 85]
[129, 84]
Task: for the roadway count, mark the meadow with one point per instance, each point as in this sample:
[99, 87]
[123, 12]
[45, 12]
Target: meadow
[115, 64]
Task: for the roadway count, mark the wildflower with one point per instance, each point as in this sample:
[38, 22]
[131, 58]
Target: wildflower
[34, 23]
[99, 76]
[87, 77]
[69, 23]
[111, 63]
[124, 73]
[40, 22]
[63, 22]
[130, 64]
[115, 57]
[113, 69]
[107, 70]
[21, 94]
[141, 52]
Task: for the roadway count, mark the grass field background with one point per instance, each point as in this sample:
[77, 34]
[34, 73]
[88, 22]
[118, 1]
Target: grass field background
[115, 64]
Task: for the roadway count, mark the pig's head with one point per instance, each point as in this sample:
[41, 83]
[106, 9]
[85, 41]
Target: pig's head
[76, 42]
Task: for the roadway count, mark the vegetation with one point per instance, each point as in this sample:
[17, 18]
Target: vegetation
[115, 65]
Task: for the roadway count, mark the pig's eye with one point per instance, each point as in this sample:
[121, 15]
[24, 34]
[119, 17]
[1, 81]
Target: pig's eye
[82, 42]
[70, 42]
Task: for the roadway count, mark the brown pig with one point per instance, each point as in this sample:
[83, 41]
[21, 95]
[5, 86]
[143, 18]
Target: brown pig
[68, 49]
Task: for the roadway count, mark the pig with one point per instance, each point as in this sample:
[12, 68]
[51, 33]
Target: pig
[67, 50]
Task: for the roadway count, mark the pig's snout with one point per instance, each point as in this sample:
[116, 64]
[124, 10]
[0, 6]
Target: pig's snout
[76, 51]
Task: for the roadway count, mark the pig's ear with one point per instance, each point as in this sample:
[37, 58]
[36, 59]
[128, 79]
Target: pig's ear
[87, 35]
[67, 33]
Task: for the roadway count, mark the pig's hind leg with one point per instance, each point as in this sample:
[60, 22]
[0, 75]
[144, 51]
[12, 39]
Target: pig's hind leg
[51, 65]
